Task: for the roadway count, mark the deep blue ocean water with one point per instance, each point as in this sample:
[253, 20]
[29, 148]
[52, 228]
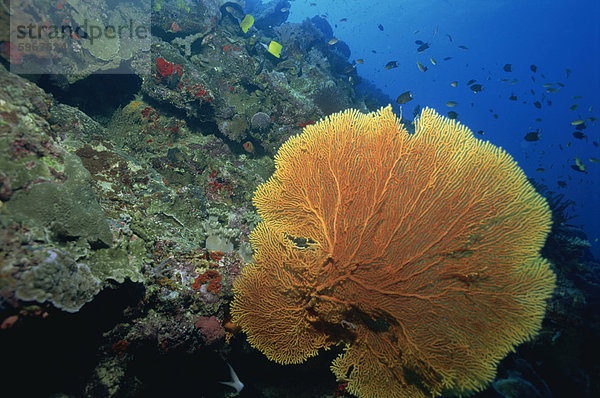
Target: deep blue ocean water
[553, 35]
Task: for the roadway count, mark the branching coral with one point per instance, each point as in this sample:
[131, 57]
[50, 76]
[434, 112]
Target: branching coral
[418, 252]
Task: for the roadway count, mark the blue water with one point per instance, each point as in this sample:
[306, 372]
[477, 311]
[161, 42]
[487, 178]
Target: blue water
[553, 35]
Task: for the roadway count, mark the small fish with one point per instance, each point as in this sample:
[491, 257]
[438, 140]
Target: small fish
[416, 31]
[514, 81]
[451, 104]
[577, 97]
[533, 68]
[463, 47]
[540, 169]
[573, 107]
[417, 110]
[391, 65]
[419, 42]
[579, 135]
[471, 82]
[348, 69]
[560, 84]
[512, 97]
[552, 90]
[495, 116]
[284, 10]
[538, 119]
[374, 52]
[452, 115]
[577, 122]
[533, 136]
[404, 98]
[343, 19]
[360, 61]
[532, 92]
[248, 147]
[333, 41]
[448, 58]
[538, 104]
[454, 83]
[421, 67]
[313, 4]
[423, 47]
[435, 30]
[480, 132]
[449, 37]
[568, 72]
[380, 26]
[594, 160]
[561, 184]
[579, 166]
[433, 61]
[507, 68]
[476, 88]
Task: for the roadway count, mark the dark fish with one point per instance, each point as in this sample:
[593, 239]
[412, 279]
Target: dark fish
[449, 37]
[404, 98]
[579, 135]
[463, 47]
[533, 68]
[419, 42]
[579, 167]
[380, 26]
[507, 68]
[480, 132]
[540, 169]
[447, 58]
[495, 116]
[452, 115]
[532, 92]
[532, 78]
[568, 72]
[512, 97]
[471, 82]
[343, 19]
[560, 84]
[417, 110]
[391, 65]
[581, 127]
[348, 69]
[423, 47]
[476, 88]
[374, 52]
[538, 104]
[561, 184]
[532, 136]
[538, 119]
[421, 67]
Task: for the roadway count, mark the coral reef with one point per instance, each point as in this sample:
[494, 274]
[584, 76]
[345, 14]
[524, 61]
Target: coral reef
[126, 214]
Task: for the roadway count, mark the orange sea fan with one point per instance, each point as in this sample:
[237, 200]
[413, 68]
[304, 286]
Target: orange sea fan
[418, 252]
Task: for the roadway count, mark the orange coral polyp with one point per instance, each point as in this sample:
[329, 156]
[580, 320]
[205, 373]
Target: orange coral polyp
[419, 252]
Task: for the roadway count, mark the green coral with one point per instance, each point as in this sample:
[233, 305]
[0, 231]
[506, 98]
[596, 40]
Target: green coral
[69, 210]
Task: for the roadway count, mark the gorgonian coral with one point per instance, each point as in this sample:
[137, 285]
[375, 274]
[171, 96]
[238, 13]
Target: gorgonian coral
[418, 252]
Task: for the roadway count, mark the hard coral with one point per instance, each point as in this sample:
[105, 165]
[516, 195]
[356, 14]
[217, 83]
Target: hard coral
[419, 252]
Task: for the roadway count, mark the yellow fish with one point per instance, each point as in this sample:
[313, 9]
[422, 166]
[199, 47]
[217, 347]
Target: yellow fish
[333, 41]
[577, 122]
[433, 61]
[454, 84]
[451, 104]
[247, 23]
[421, 67]
[275, 48]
